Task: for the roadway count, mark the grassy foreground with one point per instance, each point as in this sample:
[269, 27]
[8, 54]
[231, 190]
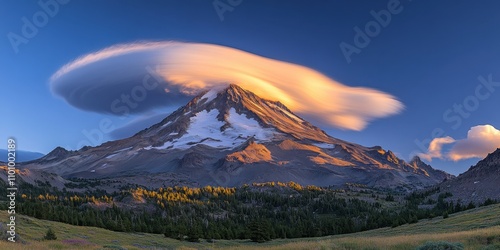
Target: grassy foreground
[475, 229]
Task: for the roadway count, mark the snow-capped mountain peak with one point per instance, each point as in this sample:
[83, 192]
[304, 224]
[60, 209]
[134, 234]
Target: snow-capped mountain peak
[227, 118]
[234, 133]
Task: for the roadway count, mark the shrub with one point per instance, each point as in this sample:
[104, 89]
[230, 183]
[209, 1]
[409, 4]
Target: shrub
[50, 235]
[445, 214]
[441, 245]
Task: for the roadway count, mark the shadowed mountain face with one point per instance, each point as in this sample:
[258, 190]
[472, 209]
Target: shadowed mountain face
[478, 183]
[230, 137]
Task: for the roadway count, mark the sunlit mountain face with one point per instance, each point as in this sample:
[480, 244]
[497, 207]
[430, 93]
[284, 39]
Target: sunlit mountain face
[230, 137]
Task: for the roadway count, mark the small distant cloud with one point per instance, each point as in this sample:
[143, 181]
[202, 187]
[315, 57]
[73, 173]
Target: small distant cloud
[435, 148]
[139, 77]
[481, 140]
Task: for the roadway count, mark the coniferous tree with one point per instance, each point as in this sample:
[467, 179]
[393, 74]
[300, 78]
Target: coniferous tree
[258, 231]
[194, 234]
[471, 205]
[445, 214]
[50, 235]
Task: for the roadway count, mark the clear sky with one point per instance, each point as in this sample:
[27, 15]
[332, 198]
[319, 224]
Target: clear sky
[429, 55]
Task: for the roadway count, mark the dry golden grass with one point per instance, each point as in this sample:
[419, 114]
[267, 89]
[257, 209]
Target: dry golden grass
[472, 239]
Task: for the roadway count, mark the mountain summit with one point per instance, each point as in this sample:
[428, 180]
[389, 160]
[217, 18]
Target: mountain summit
[234, 111]
[230, 137]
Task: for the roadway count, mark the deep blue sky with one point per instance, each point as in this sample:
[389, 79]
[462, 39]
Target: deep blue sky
[429, 57]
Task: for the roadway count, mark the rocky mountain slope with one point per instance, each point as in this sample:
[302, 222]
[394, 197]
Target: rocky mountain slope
[230, 137]
[478, 183]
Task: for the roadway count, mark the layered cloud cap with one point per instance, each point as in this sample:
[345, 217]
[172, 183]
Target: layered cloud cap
[137, 77]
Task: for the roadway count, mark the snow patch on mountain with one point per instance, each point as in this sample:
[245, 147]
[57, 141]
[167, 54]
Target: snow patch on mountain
[117, 152]
[111, 156]
[124, 149]
[296, 118]
[205, 128]
[166, 124]
[247, 127]
[209, 96]
[324, 145]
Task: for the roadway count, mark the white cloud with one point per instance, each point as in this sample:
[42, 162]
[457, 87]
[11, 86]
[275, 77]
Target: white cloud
[481, 140]
[435, 147]
[92, 82]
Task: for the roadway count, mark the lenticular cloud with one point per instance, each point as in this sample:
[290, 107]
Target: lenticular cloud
[137, 77]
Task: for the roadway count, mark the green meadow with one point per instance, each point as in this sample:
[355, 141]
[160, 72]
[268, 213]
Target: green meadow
[475, 229]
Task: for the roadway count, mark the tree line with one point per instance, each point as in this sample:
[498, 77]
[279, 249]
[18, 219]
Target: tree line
[260, 212]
